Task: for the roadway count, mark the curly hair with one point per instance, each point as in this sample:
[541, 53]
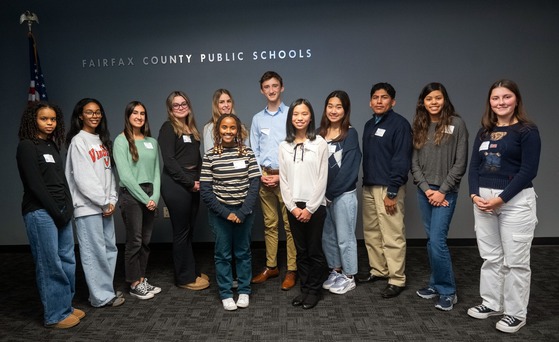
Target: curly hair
[76, 124]
[218, 147]
[129, 131]
[28, 128]
[422, 118]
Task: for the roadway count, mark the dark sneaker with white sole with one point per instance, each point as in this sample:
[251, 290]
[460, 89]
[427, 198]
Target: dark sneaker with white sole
[482, 312]
[446, 303]
[510, 324]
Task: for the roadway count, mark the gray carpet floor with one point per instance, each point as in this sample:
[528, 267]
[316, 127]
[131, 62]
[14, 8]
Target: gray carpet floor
[360, 315]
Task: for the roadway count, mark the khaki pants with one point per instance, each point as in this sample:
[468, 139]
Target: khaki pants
[270, 199]
[385, 236]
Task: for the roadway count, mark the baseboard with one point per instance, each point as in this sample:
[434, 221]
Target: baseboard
[538, 241]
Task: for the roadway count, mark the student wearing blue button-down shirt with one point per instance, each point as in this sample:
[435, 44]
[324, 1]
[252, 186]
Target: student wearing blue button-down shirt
[266, 133]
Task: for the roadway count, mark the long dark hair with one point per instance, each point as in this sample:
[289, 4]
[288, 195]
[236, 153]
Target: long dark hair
[239, 138]
[177, 125]
[129, 131]
[290, 129]
[325, 122]
[76, 124]
[422, 119]
[489, 118]
[28, 128]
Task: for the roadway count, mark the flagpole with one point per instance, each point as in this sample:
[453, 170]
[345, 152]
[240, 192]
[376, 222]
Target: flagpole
[30, 18]
[37, 89]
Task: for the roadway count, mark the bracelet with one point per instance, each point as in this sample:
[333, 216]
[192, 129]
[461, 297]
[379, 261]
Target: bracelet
[474, 196]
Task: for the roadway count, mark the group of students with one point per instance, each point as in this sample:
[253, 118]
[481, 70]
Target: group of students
[302, 171]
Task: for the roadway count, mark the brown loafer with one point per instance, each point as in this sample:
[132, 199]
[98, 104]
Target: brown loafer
[198, 285]
[266, 274]
[66, 323]
[289, 280]
[78, 313]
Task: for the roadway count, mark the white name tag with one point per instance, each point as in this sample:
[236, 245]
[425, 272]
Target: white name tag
[380, 132]
[449, 129]
[186, 138]
[48, 158]
[265, 131]
[484, 146]
[332, 148]
[148, 145]
[239, 164]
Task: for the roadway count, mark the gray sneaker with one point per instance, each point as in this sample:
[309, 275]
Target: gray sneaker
[332, 277]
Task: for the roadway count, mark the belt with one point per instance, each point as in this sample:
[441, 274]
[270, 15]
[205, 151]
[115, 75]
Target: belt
[269, 171]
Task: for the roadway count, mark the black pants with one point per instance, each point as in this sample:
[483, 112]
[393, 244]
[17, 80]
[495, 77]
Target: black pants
[311, 263]
[138, 220]
[183, 208]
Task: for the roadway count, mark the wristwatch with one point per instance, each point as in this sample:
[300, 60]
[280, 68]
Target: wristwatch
[391, 195]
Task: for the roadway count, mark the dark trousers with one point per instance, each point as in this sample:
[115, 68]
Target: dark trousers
[183, 208]
[138, 220]
[311, 263]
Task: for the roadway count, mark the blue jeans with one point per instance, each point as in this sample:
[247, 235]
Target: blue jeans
[437, 223]
[232, 239]
[55, 264]
[96, 235]
[338, 236]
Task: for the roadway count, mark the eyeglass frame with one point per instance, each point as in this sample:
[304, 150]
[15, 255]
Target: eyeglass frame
[90, 113]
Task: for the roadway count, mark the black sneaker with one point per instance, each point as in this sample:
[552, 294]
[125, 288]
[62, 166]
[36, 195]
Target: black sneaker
[152, 289]
[509, 324]
[482, 312]
[141, 291]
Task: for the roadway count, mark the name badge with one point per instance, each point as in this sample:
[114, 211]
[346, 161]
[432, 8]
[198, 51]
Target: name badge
[48, 158]
[186, 138]
[449, 129]
[380, 132]
[148, 145]
[332, 148]
[239, 164]
[484, 146]
[265, 131]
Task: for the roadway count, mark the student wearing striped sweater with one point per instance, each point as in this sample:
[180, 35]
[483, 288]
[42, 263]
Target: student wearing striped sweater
[229, 185]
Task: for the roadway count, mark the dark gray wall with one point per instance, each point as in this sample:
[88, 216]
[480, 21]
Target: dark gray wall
[351, 44]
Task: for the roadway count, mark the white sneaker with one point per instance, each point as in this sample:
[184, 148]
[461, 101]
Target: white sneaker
[343, 284]
[243, 301]
[332, 277]
[229, 304]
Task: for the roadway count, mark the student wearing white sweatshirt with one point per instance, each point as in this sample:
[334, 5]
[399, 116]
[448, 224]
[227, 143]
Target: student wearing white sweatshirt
[94, 192]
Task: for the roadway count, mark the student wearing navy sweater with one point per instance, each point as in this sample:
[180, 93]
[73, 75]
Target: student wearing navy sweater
[504, 162]
[338, 237]
[387, 149]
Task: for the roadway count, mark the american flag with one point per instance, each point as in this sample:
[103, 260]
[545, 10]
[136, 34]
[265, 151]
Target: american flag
[37, 88]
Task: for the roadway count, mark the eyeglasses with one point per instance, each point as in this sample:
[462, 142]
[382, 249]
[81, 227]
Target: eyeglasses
[179, 105]
[90, 113]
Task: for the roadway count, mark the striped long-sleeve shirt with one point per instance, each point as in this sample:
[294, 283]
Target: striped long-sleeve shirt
[228, 179]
